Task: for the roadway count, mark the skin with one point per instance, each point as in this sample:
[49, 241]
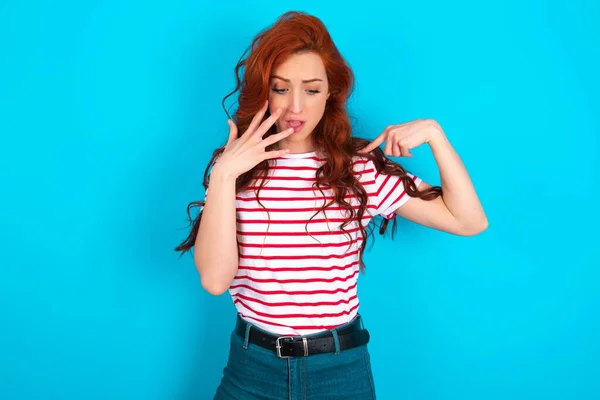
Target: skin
[457, 211]
[298, 100]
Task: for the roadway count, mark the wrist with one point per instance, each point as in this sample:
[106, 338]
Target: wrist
[222, 175]
[436, 134]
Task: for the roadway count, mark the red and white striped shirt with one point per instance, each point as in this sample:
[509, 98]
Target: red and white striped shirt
[294, 278]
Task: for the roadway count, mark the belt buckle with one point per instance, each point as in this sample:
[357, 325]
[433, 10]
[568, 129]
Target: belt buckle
[278, 346]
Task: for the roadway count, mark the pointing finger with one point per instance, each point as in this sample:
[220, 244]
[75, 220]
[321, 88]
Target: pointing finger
[374, 144]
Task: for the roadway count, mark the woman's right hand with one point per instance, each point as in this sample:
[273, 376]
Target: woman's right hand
[244, 153]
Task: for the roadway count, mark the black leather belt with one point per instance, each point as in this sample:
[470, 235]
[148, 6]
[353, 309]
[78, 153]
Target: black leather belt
[299, 346]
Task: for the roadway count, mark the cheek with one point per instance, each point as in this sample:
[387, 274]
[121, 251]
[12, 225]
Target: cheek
[317, 109]
[275, 100]
[274, 104]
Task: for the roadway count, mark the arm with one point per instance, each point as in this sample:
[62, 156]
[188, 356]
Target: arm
[215, 249]
[458, 210]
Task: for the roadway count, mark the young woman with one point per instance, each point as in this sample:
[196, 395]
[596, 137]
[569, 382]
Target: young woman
[289, 207]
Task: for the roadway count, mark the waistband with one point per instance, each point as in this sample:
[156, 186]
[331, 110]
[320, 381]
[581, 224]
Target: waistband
[343, 337]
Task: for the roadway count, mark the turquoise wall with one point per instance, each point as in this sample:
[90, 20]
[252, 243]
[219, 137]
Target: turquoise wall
[109, 112]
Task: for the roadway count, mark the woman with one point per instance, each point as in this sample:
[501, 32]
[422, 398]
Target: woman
[287, 215]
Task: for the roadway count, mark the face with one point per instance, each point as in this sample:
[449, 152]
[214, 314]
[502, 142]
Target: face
[299, 87]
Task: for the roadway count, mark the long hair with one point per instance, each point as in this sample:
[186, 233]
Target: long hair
[293, 33]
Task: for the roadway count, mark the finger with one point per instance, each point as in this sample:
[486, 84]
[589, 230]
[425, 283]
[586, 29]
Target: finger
[404, 151]
[374, 144]
[257, 118]
[277, 137]
[366, 149]
[264, 127]
[388, 148]
[275, 153]
[233, 131]
[396, 150]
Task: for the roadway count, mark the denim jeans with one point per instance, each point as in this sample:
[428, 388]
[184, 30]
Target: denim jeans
[254, 373]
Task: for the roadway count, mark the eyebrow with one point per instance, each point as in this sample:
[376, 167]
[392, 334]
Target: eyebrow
[304, 81]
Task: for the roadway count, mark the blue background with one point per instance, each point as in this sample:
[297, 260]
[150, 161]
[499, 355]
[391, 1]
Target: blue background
[109, 112]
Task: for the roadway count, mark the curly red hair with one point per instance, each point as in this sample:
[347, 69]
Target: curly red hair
[293, 33]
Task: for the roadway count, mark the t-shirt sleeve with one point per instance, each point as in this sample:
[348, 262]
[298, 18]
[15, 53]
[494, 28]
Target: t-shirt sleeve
[388, 193]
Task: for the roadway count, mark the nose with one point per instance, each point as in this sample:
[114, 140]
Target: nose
[296, 103]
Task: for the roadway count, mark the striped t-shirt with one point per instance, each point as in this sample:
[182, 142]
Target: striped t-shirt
[298, 279]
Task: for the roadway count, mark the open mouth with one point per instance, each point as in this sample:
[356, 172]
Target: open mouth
[297, 125]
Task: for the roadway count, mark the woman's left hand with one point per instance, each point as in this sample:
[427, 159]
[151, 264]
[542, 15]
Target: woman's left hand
[399, 139]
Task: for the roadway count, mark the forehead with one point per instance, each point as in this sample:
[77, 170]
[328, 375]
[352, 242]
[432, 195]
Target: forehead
[302, 66]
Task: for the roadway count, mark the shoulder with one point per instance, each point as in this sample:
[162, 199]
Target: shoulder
[364, 169]
[362, 163]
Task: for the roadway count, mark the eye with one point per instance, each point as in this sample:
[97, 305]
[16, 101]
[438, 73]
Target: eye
[282, 91]
[279, 91]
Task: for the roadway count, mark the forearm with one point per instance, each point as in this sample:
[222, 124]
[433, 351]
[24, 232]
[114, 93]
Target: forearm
[215, 249]
[459, 195]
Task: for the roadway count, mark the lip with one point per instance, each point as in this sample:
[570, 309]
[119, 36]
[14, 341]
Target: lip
[296, 128]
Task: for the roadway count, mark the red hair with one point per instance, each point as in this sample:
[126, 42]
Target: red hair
[293, 33]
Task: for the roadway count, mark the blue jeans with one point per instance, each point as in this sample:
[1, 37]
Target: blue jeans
[254, 373]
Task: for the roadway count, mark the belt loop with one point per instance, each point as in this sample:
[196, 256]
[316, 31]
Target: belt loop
[247, 335]
[362, 325]
[336, 340]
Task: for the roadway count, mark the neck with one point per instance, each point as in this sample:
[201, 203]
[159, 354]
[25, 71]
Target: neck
[307, 146]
